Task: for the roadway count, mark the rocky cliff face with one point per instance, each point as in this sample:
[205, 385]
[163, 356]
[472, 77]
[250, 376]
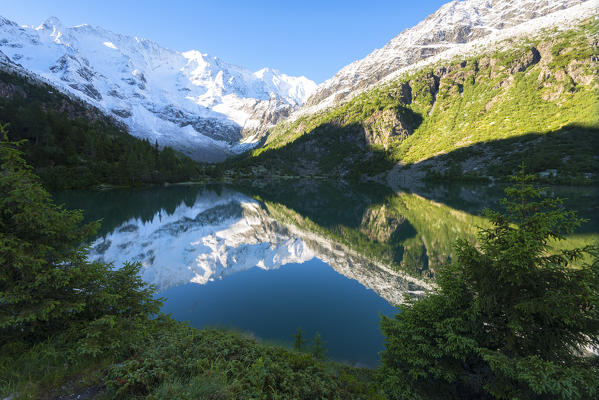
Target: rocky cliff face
[18, 81]
[452, 26]
[191, 101]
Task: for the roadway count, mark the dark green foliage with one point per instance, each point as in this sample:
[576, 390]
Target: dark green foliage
[318, 349]
[186, 363]
[39, 265]
[510, 318]
[570, 151]
[72, 145]
[47, 286]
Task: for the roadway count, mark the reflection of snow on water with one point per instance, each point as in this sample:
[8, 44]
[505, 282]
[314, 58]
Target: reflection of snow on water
[215, 237]
[220, 235]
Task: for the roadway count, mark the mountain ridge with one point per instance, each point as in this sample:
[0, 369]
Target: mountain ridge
[191, 101]
[433, 37]
[210, 109]
[493, 106]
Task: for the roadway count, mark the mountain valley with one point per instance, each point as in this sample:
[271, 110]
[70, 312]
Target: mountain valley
[437, 102]
[421, 225]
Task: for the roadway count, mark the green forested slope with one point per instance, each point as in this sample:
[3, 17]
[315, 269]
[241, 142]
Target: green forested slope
[73, 145]
[534, 100]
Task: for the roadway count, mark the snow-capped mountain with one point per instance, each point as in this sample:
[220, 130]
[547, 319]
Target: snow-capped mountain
[455, 24]
[191, 101]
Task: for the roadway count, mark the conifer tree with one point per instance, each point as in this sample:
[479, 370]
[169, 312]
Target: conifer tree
[318, 349]
[47, 285]
[299, 340]
[511, 318]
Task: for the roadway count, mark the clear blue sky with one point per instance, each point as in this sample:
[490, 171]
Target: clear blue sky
[314, 38]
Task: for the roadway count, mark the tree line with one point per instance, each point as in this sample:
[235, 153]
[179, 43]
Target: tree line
[72, 145]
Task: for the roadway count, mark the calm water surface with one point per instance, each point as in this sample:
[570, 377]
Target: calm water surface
[323, 257]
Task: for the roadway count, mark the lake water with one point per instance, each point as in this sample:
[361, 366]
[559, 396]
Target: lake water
[323, 257]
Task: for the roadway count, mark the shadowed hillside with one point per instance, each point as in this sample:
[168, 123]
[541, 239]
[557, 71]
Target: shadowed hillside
[565, 156]
[74, 145]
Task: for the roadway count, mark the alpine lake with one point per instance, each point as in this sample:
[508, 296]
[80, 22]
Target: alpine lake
[325, 257]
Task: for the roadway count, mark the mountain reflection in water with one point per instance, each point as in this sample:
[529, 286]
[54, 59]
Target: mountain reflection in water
[389, 242]
[223, 233]
[329, 258]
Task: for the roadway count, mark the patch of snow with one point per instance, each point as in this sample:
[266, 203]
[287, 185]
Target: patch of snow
[110, 45]
[458, 28]
[157, 87]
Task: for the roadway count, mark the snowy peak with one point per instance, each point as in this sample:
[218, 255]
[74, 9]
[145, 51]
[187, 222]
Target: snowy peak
[293, 89]
[5, 21]
[465, 20]
[52, 24]
[453, 25]
[191, 101]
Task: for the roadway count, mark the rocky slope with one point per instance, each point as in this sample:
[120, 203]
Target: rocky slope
[450, 28]
[17, 80]
[72, 144]
[190, 101]
[477, 115]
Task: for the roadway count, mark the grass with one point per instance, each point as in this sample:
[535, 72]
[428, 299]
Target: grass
[177, 361]
[39, 371]
[455, 105]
